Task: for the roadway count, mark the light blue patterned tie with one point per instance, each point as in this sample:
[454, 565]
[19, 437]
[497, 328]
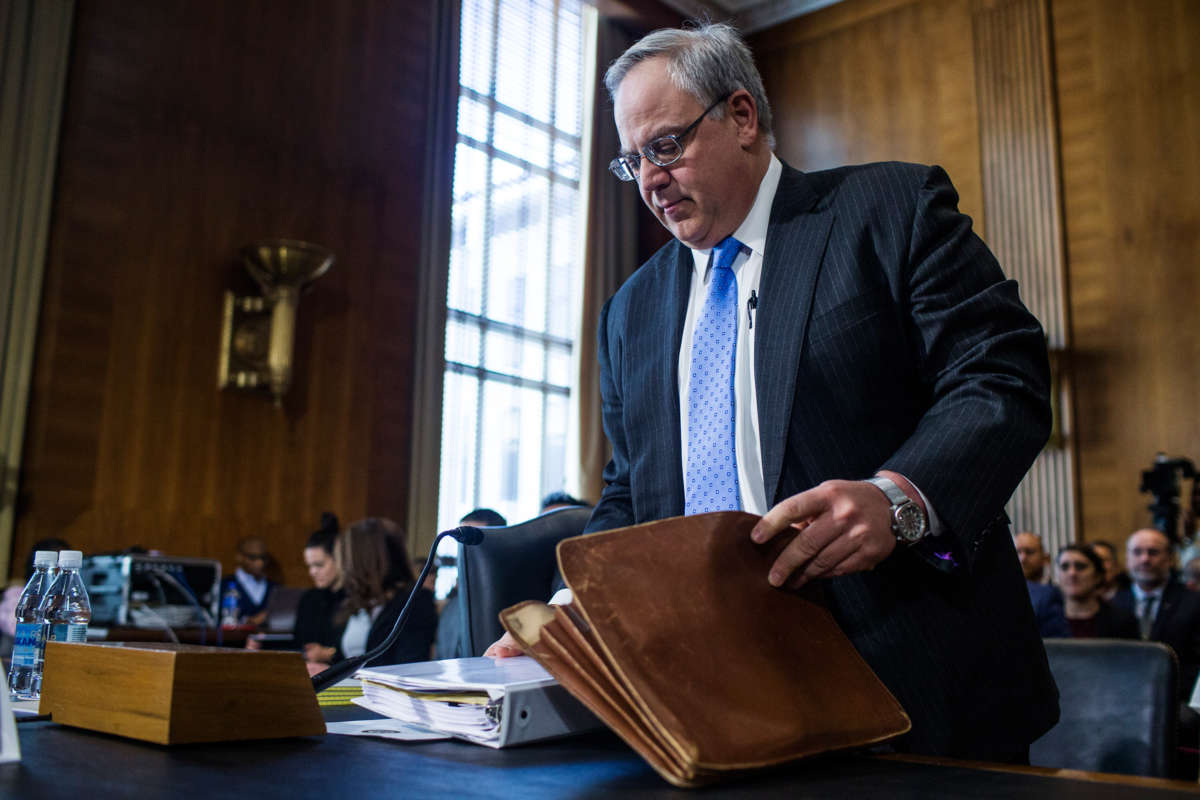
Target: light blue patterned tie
[711, 480]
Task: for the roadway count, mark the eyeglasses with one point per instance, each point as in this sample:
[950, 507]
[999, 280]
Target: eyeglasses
[1077, 566]
[663, 151]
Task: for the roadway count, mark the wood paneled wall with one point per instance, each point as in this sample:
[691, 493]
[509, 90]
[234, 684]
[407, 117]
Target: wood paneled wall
[1021, 195]
[190, 130]
[1128, 83]
[856, 83]
[880, 79]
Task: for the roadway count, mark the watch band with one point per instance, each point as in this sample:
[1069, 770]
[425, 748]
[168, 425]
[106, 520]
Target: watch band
[893, 492]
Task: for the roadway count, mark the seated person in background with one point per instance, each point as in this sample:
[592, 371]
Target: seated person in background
[1115, 578]
[1032, 556]
[1047, 600]
[316, 635]
[377, 579]
[1191, 574]
[449, 635]
[556, 500]
[1165, 610]
[250, 580]
[1081, 574]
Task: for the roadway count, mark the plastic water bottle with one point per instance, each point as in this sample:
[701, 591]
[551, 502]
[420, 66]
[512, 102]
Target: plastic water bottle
[25, 674]
[66, 607]
[230, 618]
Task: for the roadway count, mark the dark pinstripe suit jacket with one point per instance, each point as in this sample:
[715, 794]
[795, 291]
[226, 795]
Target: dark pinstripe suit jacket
[887, 337]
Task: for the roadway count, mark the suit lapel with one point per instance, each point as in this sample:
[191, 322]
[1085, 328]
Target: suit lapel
[1166, 606]
[795, 247]
[658, 314]
[676, 310]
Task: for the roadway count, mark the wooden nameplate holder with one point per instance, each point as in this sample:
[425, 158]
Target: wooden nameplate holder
[175, 694]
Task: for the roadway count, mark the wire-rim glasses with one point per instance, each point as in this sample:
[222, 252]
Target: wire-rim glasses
[663, 151]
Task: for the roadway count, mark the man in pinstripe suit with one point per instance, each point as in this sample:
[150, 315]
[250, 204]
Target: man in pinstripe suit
[877, 339]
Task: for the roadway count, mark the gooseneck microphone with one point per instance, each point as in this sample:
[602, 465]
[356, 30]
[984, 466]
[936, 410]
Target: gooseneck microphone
[465, 534]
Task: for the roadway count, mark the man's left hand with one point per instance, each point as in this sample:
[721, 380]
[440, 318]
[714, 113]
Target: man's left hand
[844, 527]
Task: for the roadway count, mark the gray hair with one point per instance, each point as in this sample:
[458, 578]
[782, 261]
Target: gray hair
[707, 61]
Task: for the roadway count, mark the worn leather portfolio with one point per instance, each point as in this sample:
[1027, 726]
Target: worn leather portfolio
[677, 642]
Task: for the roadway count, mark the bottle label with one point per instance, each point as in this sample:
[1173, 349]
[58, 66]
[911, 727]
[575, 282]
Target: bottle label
[26, 644]
[68, 632]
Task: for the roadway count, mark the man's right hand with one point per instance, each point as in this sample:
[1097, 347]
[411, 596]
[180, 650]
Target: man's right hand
[504, 647]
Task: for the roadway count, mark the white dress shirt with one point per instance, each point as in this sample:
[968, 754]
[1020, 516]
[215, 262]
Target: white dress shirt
[255, 588]
[747, 268]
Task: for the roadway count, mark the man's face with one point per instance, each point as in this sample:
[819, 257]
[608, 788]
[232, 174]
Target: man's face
[1033, 557]
[703, 196]
[252, 557]
[1148, 558]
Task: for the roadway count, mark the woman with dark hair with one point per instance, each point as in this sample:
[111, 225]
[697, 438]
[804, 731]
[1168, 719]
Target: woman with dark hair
[316, 634]
[1080, 572]
[376, 581]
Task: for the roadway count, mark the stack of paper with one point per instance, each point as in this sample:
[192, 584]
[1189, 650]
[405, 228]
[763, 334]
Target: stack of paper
[341, 693]
[494, 702]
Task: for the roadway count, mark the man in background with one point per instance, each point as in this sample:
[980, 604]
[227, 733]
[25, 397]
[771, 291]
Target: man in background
[250, 580]
[1047, 599]
[1166, 611]
[1032, 555]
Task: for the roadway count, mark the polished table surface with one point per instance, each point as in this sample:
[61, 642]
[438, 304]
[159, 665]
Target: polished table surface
[65, 762]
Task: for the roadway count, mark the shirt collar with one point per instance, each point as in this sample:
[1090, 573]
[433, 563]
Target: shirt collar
[752, 233]
[1141, 594]
[247, 579]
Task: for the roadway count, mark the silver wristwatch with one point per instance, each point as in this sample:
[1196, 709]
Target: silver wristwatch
[908, 520]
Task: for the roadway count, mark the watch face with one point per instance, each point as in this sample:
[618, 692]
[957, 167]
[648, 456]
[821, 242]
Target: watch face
[910, 522]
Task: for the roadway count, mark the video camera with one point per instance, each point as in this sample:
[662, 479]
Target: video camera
[1162, 481]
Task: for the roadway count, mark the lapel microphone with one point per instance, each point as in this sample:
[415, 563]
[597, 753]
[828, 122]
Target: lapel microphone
[466, 535]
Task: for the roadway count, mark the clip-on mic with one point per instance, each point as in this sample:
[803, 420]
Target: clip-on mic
[465, 534]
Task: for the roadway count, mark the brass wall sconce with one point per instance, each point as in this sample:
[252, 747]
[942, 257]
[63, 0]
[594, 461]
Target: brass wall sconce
[258, 332]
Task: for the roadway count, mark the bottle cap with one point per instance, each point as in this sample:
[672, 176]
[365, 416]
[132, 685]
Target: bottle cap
[45, 558]
[70, 559]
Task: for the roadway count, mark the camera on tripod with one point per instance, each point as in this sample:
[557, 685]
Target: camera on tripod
[1162, 481]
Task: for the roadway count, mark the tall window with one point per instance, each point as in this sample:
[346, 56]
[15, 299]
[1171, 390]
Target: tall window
[516, 254]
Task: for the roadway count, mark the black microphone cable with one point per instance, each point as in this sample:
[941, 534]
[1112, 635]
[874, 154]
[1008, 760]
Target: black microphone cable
[466, 535]
[206, 618]
[162, 596]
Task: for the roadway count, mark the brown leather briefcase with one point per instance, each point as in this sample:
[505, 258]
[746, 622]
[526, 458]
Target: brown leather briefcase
[675, 639]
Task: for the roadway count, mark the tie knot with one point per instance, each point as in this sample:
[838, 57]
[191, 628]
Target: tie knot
[725, 252]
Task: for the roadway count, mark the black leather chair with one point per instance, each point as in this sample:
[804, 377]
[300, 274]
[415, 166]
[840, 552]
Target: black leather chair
[1119, 704]
[510, 565]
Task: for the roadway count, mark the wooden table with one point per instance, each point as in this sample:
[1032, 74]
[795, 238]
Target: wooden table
[69, 763]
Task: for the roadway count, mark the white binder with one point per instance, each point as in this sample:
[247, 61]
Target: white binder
[493, 702]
